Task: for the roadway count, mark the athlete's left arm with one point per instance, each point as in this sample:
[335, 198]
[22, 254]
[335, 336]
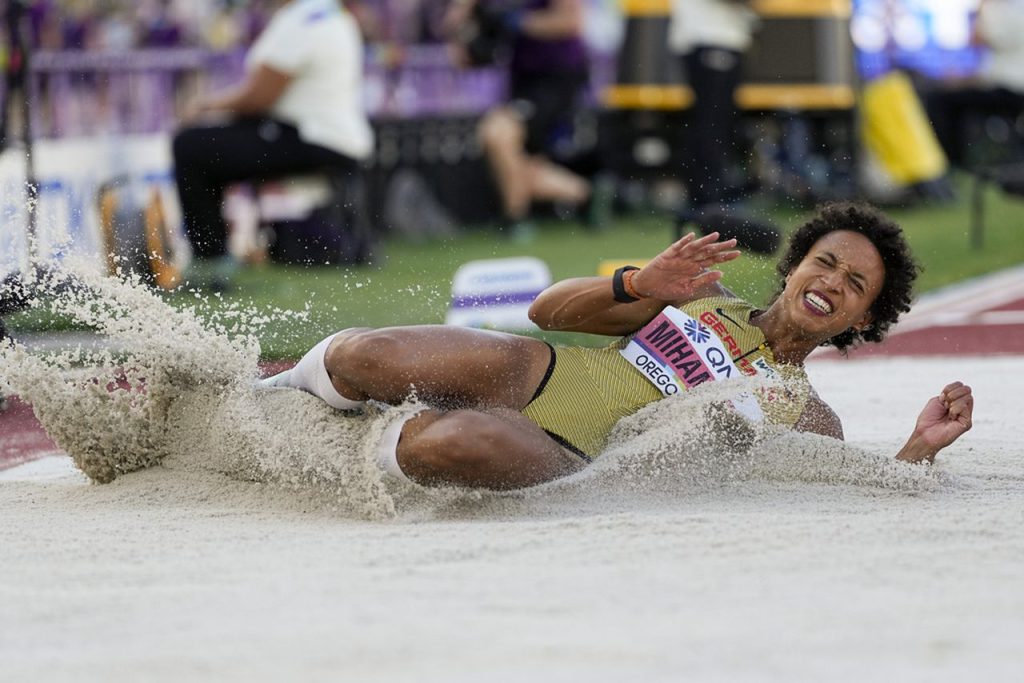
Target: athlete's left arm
[945, 419]
[819, 418]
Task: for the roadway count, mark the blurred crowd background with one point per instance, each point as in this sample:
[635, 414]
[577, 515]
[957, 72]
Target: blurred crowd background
[932, 39]
[220, 25]
[813, 128]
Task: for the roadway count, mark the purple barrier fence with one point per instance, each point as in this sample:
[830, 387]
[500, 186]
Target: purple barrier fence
[95, 93]
[77, 93]
[419, 81]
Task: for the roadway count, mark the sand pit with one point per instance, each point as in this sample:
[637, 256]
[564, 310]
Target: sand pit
[802, 560]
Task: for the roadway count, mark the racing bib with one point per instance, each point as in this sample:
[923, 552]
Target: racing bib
[675, 352]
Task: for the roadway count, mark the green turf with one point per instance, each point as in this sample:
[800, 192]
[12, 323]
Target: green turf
[411, 283]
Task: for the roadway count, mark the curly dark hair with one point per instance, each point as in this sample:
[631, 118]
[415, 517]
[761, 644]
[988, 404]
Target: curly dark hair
[901, 269]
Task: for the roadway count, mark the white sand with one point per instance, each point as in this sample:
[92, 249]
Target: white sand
[806, 561]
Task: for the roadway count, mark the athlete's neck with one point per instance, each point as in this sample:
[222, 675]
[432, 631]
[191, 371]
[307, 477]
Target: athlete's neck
[789, 344]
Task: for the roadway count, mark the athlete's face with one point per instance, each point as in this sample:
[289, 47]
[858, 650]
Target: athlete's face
[835, 285]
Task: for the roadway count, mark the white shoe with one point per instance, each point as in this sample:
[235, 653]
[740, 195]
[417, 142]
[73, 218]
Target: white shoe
[278, 380]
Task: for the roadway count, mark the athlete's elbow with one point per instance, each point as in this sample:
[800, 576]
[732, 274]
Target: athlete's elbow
[541, 316]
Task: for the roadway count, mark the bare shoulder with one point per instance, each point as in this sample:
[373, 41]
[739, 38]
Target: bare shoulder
[819, 418]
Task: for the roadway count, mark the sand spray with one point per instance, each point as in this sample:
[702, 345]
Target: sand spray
[175, 388]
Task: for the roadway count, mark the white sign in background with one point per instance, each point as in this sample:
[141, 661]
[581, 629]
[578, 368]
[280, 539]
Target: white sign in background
[497, 292]
[69, 173]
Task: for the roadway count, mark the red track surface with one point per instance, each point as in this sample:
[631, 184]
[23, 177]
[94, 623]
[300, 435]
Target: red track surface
[21, 437]
[996, 331]
[981, 318]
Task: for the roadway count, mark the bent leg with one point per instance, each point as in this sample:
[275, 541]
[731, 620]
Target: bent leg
[448, 366]
[209, 157]
[502, 136]
[498, 450]
[551, 182]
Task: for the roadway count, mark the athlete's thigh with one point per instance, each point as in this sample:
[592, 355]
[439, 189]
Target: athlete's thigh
[450, 365]
[498, 449]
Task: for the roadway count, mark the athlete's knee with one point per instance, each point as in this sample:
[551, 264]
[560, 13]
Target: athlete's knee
[359, 351]
[499, 127]
[448, 443]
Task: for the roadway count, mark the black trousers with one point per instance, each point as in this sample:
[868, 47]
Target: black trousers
[714, 75]
[950, 110]
[547, 102]
[208, 158]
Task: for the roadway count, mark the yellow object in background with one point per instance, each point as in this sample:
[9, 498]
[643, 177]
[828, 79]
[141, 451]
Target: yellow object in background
[897, 131]
[766, 8]
[156, 236]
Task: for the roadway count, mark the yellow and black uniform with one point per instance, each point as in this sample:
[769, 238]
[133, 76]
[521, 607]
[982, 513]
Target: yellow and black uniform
[588, 390]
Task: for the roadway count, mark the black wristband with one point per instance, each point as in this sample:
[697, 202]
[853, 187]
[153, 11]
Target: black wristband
[619, 287]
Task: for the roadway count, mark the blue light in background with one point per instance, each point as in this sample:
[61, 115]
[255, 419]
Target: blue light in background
[930, 37]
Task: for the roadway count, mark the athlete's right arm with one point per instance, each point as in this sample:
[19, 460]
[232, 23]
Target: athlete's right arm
[586, 304]
[677, 275]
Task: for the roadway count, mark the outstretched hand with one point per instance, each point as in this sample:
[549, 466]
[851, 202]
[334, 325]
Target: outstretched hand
[944, 419]
[684, 267]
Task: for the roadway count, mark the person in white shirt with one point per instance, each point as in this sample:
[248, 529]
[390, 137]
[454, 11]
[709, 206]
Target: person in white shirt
[998, 87]
[711, 36]
[1000, 27]
[299, 109]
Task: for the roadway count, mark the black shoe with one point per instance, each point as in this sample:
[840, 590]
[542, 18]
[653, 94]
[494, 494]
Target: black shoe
[14, 294]
[522, 231]
[936, 191]
[751, 234]
[214, 275]
[598, 207]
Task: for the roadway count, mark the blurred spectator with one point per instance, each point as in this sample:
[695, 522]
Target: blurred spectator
[229, 24]
[368, 18]
[160, 27]
[299, 109]
[45, 24]
[711, 37]
[410, 22]
[547, 78]
[118, 30]
[223, 30]
[998, 87]
[78, 25]
[219, 24]
[119, 24]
